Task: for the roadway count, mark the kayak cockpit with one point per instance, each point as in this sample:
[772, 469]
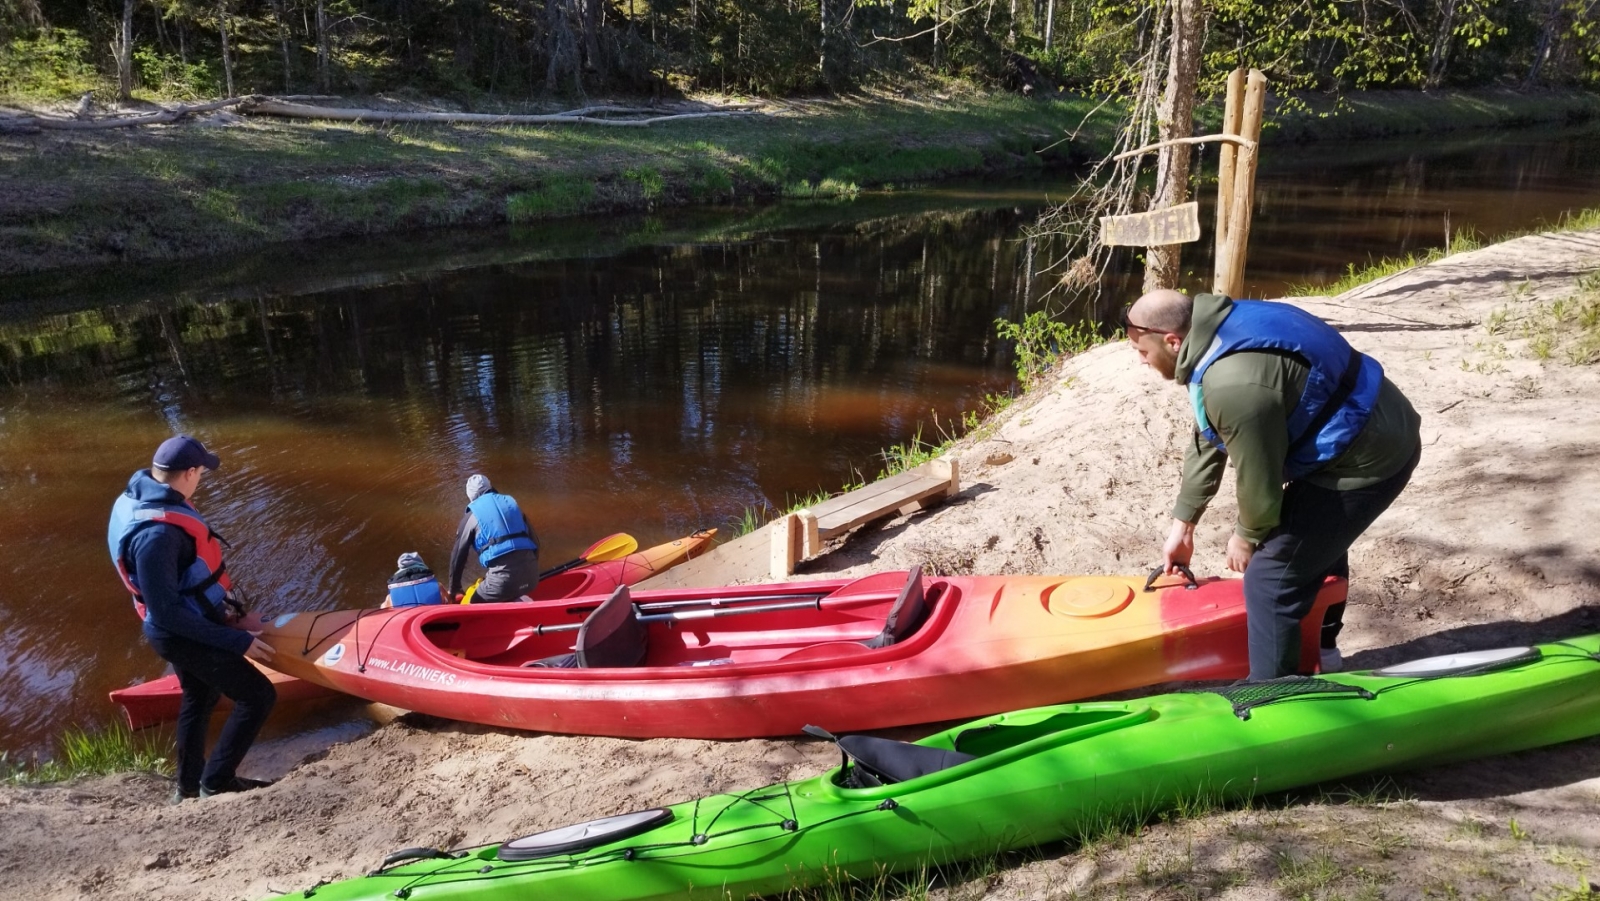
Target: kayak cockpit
[787, 626]
[871, 763]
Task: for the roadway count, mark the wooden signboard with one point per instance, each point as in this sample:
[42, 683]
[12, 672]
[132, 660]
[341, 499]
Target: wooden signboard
[1174, 225]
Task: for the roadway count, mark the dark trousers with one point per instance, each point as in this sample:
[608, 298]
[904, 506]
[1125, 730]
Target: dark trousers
[1312, 541]
[207, 674]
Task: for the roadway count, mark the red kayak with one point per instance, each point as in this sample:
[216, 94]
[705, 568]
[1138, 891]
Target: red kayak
[748, 661]
[155, 702]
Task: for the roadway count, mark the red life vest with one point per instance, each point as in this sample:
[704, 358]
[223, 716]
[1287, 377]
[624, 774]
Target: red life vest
[203, 578]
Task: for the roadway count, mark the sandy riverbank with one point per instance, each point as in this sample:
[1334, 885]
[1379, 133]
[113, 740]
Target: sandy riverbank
[1492, 544]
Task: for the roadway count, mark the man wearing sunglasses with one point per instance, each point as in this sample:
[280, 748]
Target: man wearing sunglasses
[1321, 443]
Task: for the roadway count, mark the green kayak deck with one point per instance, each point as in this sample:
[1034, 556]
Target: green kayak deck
[1032, 776]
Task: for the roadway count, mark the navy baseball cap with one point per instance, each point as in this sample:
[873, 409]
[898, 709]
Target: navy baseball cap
[183, 452]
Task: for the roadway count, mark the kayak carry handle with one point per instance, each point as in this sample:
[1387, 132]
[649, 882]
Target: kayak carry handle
[406, 854]
[1191, 585]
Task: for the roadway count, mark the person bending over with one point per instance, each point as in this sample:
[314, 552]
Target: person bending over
[1321, 443]
[507, 548]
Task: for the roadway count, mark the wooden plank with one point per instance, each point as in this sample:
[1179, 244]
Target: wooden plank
[772, 551]
[863, 506]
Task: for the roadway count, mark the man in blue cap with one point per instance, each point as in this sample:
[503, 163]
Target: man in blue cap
[170, 560]
[507, 548]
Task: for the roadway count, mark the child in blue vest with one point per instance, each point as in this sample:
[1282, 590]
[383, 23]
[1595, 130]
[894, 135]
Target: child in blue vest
[414, 584]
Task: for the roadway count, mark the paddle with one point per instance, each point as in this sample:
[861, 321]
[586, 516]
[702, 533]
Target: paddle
[815, 604]
[611, 547]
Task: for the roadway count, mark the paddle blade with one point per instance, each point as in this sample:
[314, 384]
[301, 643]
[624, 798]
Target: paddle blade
[612, 547]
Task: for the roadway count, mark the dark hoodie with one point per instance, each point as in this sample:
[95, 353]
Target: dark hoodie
[1249, 395]
[158, 554]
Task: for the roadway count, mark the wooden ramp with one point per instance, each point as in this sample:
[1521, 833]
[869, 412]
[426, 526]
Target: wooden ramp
[771, 552]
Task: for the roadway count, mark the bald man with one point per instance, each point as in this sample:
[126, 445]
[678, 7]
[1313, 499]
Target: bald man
[1321, 443]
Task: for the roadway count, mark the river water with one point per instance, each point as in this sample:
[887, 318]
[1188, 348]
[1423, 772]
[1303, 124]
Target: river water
[643, 374]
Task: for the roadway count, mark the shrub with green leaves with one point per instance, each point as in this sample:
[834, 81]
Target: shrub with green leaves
[53, 65]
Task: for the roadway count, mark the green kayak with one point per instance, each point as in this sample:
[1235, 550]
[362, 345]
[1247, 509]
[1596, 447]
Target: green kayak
[1027, 777]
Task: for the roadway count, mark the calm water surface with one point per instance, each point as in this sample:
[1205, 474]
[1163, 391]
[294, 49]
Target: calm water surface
[647, 375]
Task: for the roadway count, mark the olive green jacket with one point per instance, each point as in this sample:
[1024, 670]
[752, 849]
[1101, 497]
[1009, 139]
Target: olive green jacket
[1249, 396]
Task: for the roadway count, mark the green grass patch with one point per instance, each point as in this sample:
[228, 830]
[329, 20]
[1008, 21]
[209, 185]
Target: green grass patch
[558, 196]
[1355, 277]
[1564, 329]
[1461, 242]
[82, 752]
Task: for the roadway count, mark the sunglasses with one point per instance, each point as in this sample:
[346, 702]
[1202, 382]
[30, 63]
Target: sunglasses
[1129, 326]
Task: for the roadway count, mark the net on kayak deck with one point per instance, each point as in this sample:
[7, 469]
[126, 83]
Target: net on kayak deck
[1247, 695]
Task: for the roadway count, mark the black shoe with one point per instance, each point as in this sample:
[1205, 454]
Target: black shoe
[181, 794]
[236, 784]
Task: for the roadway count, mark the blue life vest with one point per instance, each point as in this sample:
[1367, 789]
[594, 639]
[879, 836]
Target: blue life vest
[1340, 391]
[415, 592]
[206, 579]
[501, 527]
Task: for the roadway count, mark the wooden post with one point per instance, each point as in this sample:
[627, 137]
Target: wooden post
[1229, 276]
[1225, 160]
[811, 535]
[786, 535]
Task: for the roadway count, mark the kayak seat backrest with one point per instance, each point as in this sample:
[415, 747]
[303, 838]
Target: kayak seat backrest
[892, 761]
[907, 615]
[611, 637]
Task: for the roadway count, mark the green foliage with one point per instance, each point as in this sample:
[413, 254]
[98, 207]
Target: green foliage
[492, 53]
[168, 75]
[649, 180]
[558, 196]
[1041, 342]
[53, 65]
[81, 752]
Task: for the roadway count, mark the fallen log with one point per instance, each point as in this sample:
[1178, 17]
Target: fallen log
[257, 105]
[159, 117]
[267, 106]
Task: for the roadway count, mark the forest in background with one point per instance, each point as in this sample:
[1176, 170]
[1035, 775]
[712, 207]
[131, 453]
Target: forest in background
[488, 53]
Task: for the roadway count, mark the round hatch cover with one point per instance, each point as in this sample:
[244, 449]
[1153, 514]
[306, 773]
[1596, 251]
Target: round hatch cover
[1089, 596]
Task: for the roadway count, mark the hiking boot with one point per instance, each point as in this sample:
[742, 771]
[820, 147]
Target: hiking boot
[1332, 660]
[236, 784]
[181, 794]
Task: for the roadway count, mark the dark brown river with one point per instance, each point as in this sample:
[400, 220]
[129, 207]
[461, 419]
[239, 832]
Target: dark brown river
[649, 375]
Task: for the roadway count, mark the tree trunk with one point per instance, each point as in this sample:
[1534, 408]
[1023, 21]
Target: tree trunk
[283, 43]
[322, 46]
[822, 41]
[125, 54]
[1163, 265]
[1439, 59]
[227, 54]
[1049, 22]
[1547, 34]
[1011, 26]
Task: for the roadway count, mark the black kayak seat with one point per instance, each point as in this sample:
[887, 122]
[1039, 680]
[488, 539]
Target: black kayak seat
[906, 616]
[611, 637]
[898, 761]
